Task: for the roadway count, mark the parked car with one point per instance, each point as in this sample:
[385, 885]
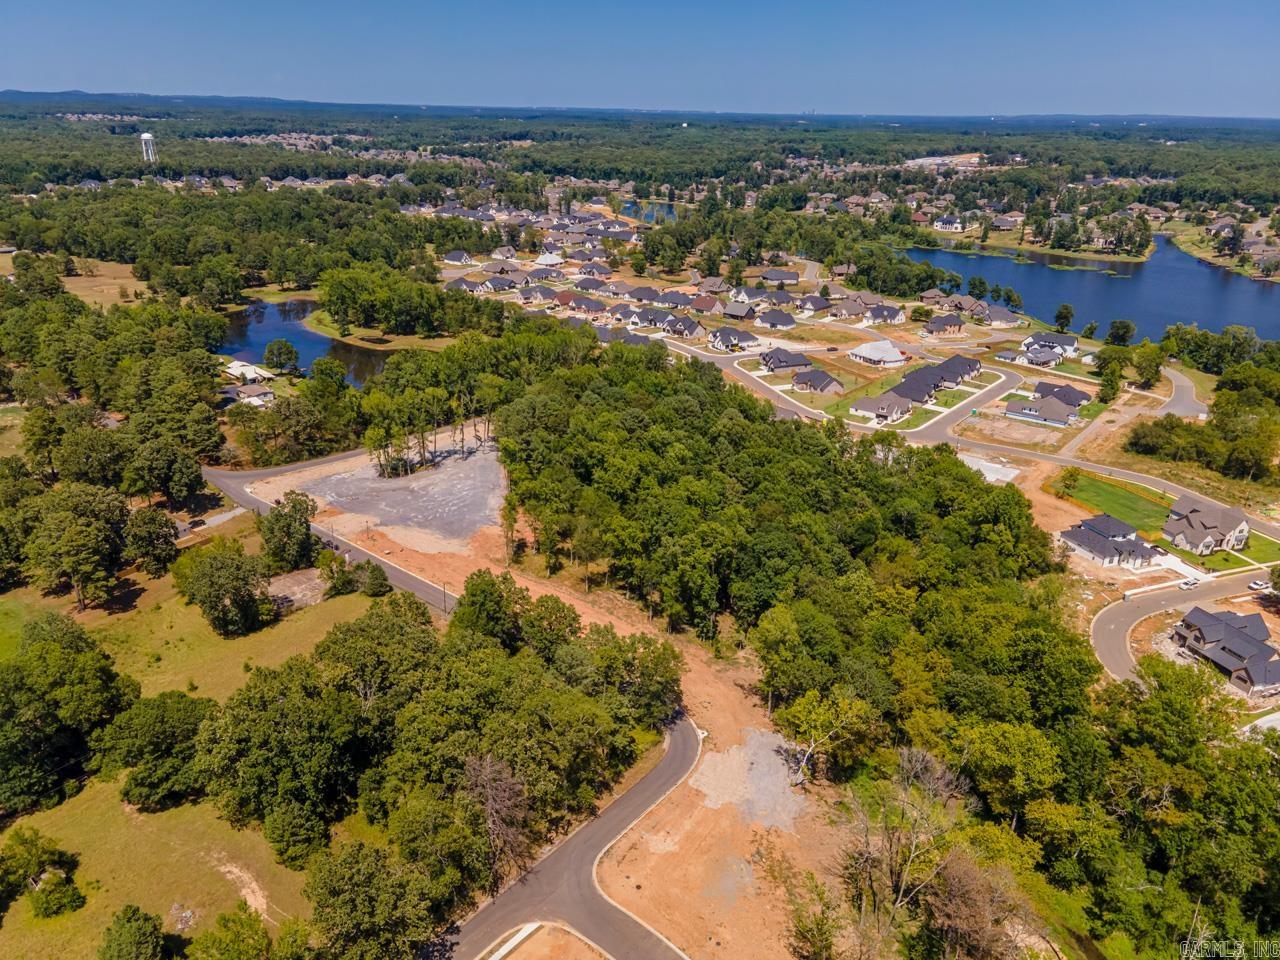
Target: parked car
[1260, 585]
[1188, 584]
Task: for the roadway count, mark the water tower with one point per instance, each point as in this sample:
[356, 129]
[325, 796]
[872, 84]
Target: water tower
[148, 148]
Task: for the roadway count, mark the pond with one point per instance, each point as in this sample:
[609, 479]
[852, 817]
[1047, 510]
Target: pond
[253, 327]
[1171, 287]
[649, 211]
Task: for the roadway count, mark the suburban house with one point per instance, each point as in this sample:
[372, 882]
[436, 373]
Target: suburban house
[932, 297]
[1073, 397]
[247, 372]
[1050, 411]
[956, 369]
[886, 313]
[943, 327]
[816, 381]
[886, 408]
[1002, 317]
[735, 310]
[1203, 528]
[774, 275]
[746, 294]
[1062, 343]
[949, 224]
[686, 328]
[714, 285]
[504, 253]
[730, 338]
[254, 394]
[812, 304]
[878, 353]
[919, 385]
[775, 320]
[778, 360]
[1009, 221]
[705, 303]
[460, 257]
[1237, 644]
[1109, 542]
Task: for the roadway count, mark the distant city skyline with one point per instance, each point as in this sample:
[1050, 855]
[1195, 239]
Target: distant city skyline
[986, 57]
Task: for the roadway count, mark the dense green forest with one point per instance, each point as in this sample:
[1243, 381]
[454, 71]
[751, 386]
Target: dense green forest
[1241, 438]
[891, 586]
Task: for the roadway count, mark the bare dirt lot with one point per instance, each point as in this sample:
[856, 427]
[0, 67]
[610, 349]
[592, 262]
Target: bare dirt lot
[100, 281]
[700, 866]
[555, 943]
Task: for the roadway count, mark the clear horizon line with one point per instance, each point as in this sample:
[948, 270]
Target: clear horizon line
[687, 111]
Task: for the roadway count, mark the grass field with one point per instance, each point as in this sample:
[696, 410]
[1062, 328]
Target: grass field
[916, 418]
[1261, 549]
[1143, 509]
[370, 337]
[950, 398]
[100, 282]
[11, 430]
[1214, 562]
[166, 863]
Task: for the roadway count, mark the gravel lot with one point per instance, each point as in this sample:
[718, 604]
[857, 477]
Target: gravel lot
[453, 500]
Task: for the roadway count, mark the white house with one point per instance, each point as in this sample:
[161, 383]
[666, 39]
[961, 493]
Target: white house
[247, 372]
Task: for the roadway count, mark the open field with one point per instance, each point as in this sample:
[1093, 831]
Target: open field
[320, 322]
[100, 281]
[1146, 510]
[167, 645]
[184, 859]
[1107, 447]
[11, 418]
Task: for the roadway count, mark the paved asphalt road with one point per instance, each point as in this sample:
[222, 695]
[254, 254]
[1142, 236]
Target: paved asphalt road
[561, 886]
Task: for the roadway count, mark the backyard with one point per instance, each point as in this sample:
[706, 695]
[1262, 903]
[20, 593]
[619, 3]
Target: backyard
[1146, 510]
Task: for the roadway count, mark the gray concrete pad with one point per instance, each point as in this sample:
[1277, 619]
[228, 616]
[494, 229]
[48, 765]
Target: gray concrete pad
[454, 499]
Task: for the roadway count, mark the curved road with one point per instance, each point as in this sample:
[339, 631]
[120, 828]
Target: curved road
[562, 885]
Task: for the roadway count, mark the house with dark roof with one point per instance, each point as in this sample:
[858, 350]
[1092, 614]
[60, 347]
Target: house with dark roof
[734, 310]
[1062, 343]
[1049, 411]
[778, 360]
[888, 407]
[949, 224]
[1001, 317]
[731, 338]
[816, 381]
[774, 275]
[1073, 397]
[942, 327]
[462, 283]
[775, 320]
[686, 328]
[958, 369]
[458, 257]
[1237, 644]
[1204, 528]
[1109, 542]
[885, 313]
[808, 306]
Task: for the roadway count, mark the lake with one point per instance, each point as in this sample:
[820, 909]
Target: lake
[1171, 287]
[252, 328]
[649, 211]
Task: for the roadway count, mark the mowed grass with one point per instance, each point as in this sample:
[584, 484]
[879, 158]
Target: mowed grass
[1145, 510]
[166, 863]
[1261, 549]
[165, 642]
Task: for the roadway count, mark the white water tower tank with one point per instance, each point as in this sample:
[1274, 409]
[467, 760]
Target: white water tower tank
[148, 148]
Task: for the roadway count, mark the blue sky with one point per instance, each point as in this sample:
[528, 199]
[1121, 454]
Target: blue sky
[967, 57]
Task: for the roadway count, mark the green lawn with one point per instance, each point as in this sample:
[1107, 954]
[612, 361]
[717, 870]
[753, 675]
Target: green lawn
[1261, 549]
[917, 418]
[951, 398]
[1013, 395]
[1146, 510]
[1214, 562]
[166, 863]
[986, 378]
[1091, 410]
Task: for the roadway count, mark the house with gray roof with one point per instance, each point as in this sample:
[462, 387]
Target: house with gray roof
[778, 360]
[816, 381]
[1049, 411]
[775, 320]
[1204, 528]
[1073, 397]
[887, 408]
[1109, 542]
[731, 338]
[1237, 644]
[735, 310]
[774, 275]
